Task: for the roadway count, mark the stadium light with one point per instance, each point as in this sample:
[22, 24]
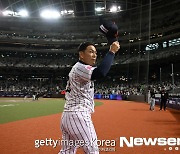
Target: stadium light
[113, 9]
[70, 12]
[99, 9]
[62, 12]
[8, 13]
[23, 13]
[66, 12]
[50, 14]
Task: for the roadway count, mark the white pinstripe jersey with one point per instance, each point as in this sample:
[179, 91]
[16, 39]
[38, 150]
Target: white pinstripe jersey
[80, 89]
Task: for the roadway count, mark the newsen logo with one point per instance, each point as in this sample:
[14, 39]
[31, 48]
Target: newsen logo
[149, 141]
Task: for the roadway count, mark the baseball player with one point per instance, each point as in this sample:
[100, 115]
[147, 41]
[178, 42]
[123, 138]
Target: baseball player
[152, 100]
[76, 124]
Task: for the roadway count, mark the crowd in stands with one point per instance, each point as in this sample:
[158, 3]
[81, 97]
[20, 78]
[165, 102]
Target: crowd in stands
[153, 55]
[37, 60]
[44, 88]
[67, 60]
[21, 88]
[134, 89]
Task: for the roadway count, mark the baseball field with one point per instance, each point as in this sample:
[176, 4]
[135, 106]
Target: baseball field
[13, 109]
[125, 127]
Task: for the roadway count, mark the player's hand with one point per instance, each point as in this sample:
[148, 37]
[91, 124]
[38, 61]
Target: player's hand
[115, 46]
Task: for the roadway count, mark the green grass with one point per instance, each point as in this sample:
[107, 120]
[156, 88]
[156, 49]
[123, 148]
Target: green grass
[17, 109]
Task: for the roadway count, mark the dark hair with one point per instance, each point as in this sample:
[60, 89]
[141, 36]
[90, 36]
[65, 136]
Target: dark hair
[84, 45]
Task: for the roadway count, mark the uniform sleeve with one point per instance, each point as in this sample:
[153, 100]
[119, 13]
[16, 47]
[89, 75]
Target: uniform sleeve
[102, 70]
[85, 72]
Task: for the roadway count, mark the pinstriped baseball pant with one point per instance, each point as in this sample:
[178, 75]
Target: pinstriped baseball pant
[78, 131]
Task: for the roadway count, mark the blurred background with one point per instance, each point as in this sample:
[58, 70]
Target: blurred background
[39, 40]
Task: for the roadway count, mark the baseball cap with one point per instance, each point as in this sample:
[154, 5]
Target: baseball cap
[110, 29]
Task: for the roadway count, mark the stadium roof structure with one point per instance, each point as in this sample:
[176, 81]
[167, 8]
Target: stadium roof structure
[140, 23]
[152, 24]
[73, 7]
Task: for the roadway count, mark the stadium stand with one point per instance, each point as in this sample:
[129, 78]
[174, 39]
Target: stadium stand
[37, 54]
